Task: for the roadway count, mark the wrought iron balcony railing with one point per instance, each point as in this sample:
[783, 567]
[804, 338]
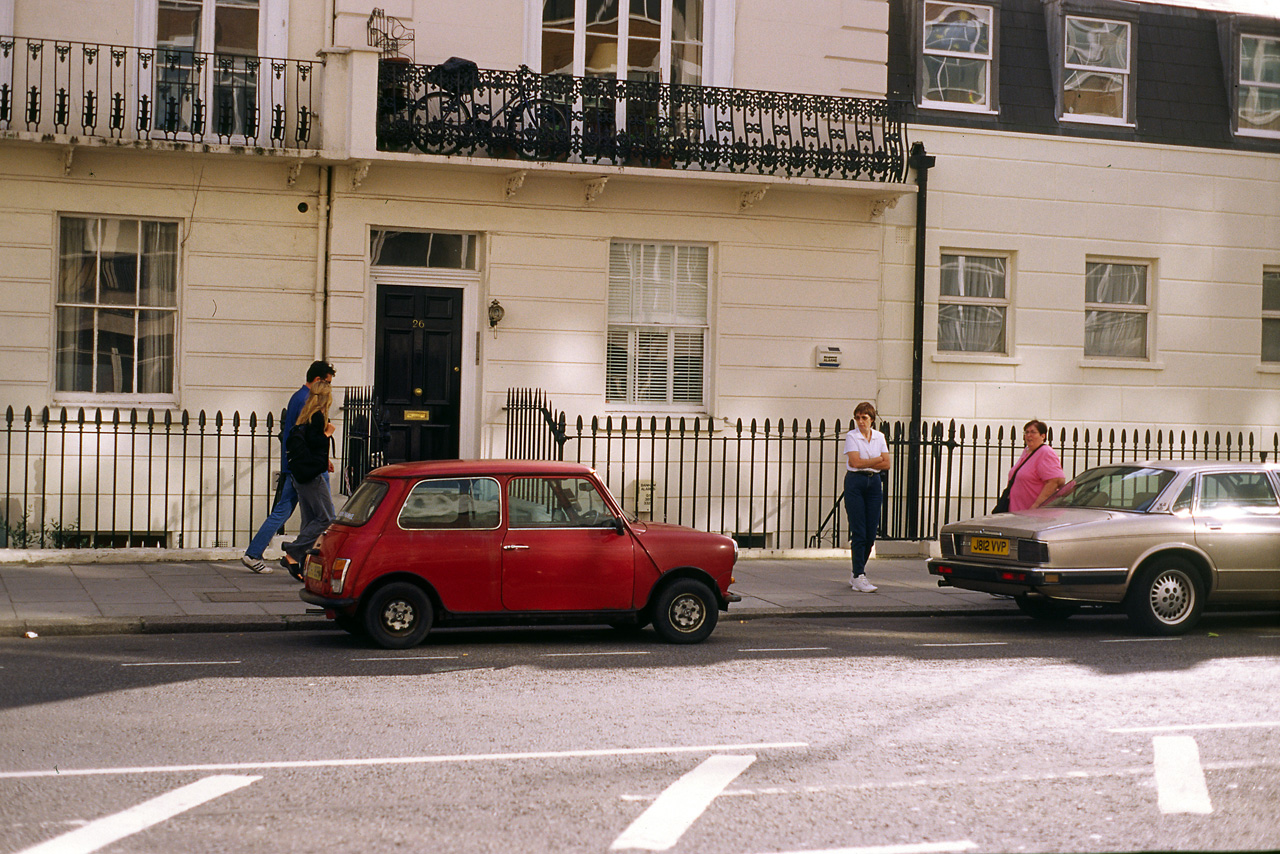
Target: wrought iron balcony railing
[456, 108]
[65, 87]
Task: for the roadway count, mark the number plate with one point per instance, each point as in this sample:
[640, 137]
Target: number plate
[988, 546]
[314, 568]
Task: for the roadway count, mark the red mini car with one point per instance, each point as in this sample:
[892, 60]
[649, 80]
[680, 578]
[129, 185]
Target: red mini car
[503, 542]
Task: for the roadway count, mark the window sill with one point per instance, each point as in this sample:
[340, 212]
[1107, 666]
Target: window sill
[1127, 364]
[1269, 368]
[96, 402]
[976, 358]
[956, 108]
[1097, 121]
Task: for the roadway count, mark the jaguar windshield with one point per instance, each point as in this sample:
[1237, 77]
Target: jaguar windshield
[1132, 489]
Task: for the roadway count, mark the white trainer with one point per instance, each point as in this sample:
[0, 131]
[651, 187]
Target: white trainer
[861, 584]
[256, 564]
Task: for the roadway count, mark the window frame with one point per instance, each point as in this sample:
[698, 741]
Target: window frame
[136, 399]
[1068, 68]
[992, 59]
[1005, 302]
[1110, 11]
[1270, 316]
[1237, 83]
[1146, 310]
[717, 40]
[273, 43]
[631, 403]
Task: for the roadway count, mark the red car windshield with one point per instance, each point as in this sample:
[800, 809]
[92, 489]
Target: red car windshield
[362, 503]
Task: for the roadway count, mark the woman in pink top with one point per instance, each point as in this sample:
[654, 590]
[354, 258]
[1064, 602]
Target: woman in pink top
[1039, 471]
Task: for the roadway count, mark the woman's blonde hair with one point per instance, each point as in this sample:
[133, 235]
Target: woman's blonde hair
[320, 399]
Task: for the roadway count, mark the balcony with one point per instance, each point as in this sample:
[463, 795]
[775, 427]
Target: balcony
[456, 109]
[51, 88]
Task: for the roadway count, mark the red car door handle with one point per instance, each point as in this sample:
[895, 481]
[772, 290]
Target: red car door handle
[513, 548]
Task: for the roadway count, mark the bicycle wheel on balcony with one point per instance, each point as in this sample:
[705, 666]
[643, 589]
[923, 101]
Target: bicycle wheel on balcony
[439, 121]
[539, 130]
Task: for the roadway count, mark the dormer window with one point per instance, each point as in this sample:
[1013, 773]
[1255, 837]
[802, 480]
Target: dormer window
[1258, 95]
[1096, 70]
[957, 53]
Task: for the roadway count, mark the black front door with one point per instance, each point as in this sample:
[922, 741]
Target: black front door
[418, 371]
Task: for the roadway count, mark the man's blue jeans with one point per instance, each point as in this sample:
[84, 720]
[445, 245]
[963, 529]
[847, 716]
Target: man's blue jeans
[279, 515]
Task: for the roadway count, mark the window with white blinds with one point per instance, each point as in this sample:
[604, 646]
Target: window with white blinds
[657, 323]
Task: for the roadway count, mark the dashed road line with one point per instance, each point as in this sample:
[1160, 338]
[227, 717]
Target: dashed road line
[908, 848]
[410, 658]
[1180, 727]
[102, 832]
[986, 643]
[790, 649]
[1140, 640]
[1180, 783]
[591, 654]
[405, 760]
[173, 663]
[676, 809]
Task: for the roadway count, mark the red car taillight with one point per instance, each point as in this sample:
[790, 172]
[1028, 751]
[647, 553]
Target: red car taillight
[338, 575]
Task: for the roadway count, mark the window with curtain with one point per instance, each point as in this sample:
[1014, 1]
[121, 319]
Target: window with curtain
[655, 40]
[1116, 310]
[199, 94]
[657, 324]
[1096, 81]
[957, 48]
[973, 304]
[117, 306]
[1258, 95]
[1271, 316]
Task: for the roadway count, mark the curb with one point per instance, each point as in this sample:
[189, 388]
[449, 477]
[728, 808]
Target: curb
[87, 626]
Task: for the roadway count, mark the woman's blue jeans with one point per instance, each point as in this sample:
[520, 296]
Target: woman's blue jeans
[863, 496]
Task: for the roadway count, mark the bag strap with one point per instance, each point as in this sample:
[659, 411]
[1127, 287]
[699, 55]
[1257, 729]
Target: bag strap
[1014, 475]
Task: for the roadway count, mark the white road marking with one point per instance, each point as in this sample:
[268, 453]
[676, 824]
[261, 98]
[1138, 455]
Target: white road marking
[910, 848]
[987, 643]
[590, 654]
[1179, 778]
[172, 663]
[790, 649]
[1140, 640]
[410, 658]
[402, 760]
[1180, 727]
[104, 831]
[676, 809]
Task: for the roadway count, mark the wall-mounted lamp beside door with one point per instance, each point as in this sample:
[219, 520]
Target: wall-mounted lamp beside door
[496, 313]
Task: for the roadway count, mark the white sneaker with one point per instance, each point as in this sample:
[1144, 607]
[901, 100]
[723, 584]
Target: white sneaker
[861, 584]
[256, 564]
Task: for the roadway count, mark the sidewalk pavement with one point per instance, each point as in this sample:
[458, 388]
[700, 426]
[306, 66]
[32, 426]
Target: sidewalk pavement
[188, 591]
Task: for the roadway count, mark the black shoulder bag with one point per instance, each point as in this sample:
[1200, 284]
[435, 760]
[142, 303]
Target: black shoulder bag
[1002, 503]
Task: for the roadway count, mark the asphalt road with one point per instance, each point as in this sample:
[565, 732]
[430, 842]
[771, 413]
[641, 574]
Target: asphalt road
[784, 735]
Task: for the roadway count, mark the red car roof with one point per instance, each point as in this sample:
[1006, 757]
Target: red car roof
[463, 468]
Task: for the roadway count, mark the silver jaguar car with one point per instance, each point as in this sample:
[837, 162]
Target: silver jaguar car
[1160, 538]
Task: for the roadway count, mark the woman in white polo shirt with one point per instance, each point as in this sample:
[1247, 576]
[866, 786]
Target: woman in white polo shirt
[867, 454]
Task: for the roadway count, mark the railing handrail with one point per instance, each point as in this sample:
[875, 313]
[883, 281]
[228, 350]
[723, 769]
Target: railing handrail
[115, 92]
[460, 108]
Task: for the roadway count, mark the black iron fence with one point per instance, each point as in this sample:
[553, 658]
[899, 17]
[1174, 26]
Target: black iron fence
[114, 478]
[96, 478]
[456, 108]
[778, 483]
[51, 86]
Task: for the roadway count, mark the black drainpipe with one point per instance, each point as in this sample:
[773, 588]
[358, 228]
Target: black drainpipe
[921, 162]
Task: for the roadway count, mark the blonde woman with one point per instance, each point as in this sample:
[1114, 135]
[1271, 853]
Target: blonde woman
[308, 450]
